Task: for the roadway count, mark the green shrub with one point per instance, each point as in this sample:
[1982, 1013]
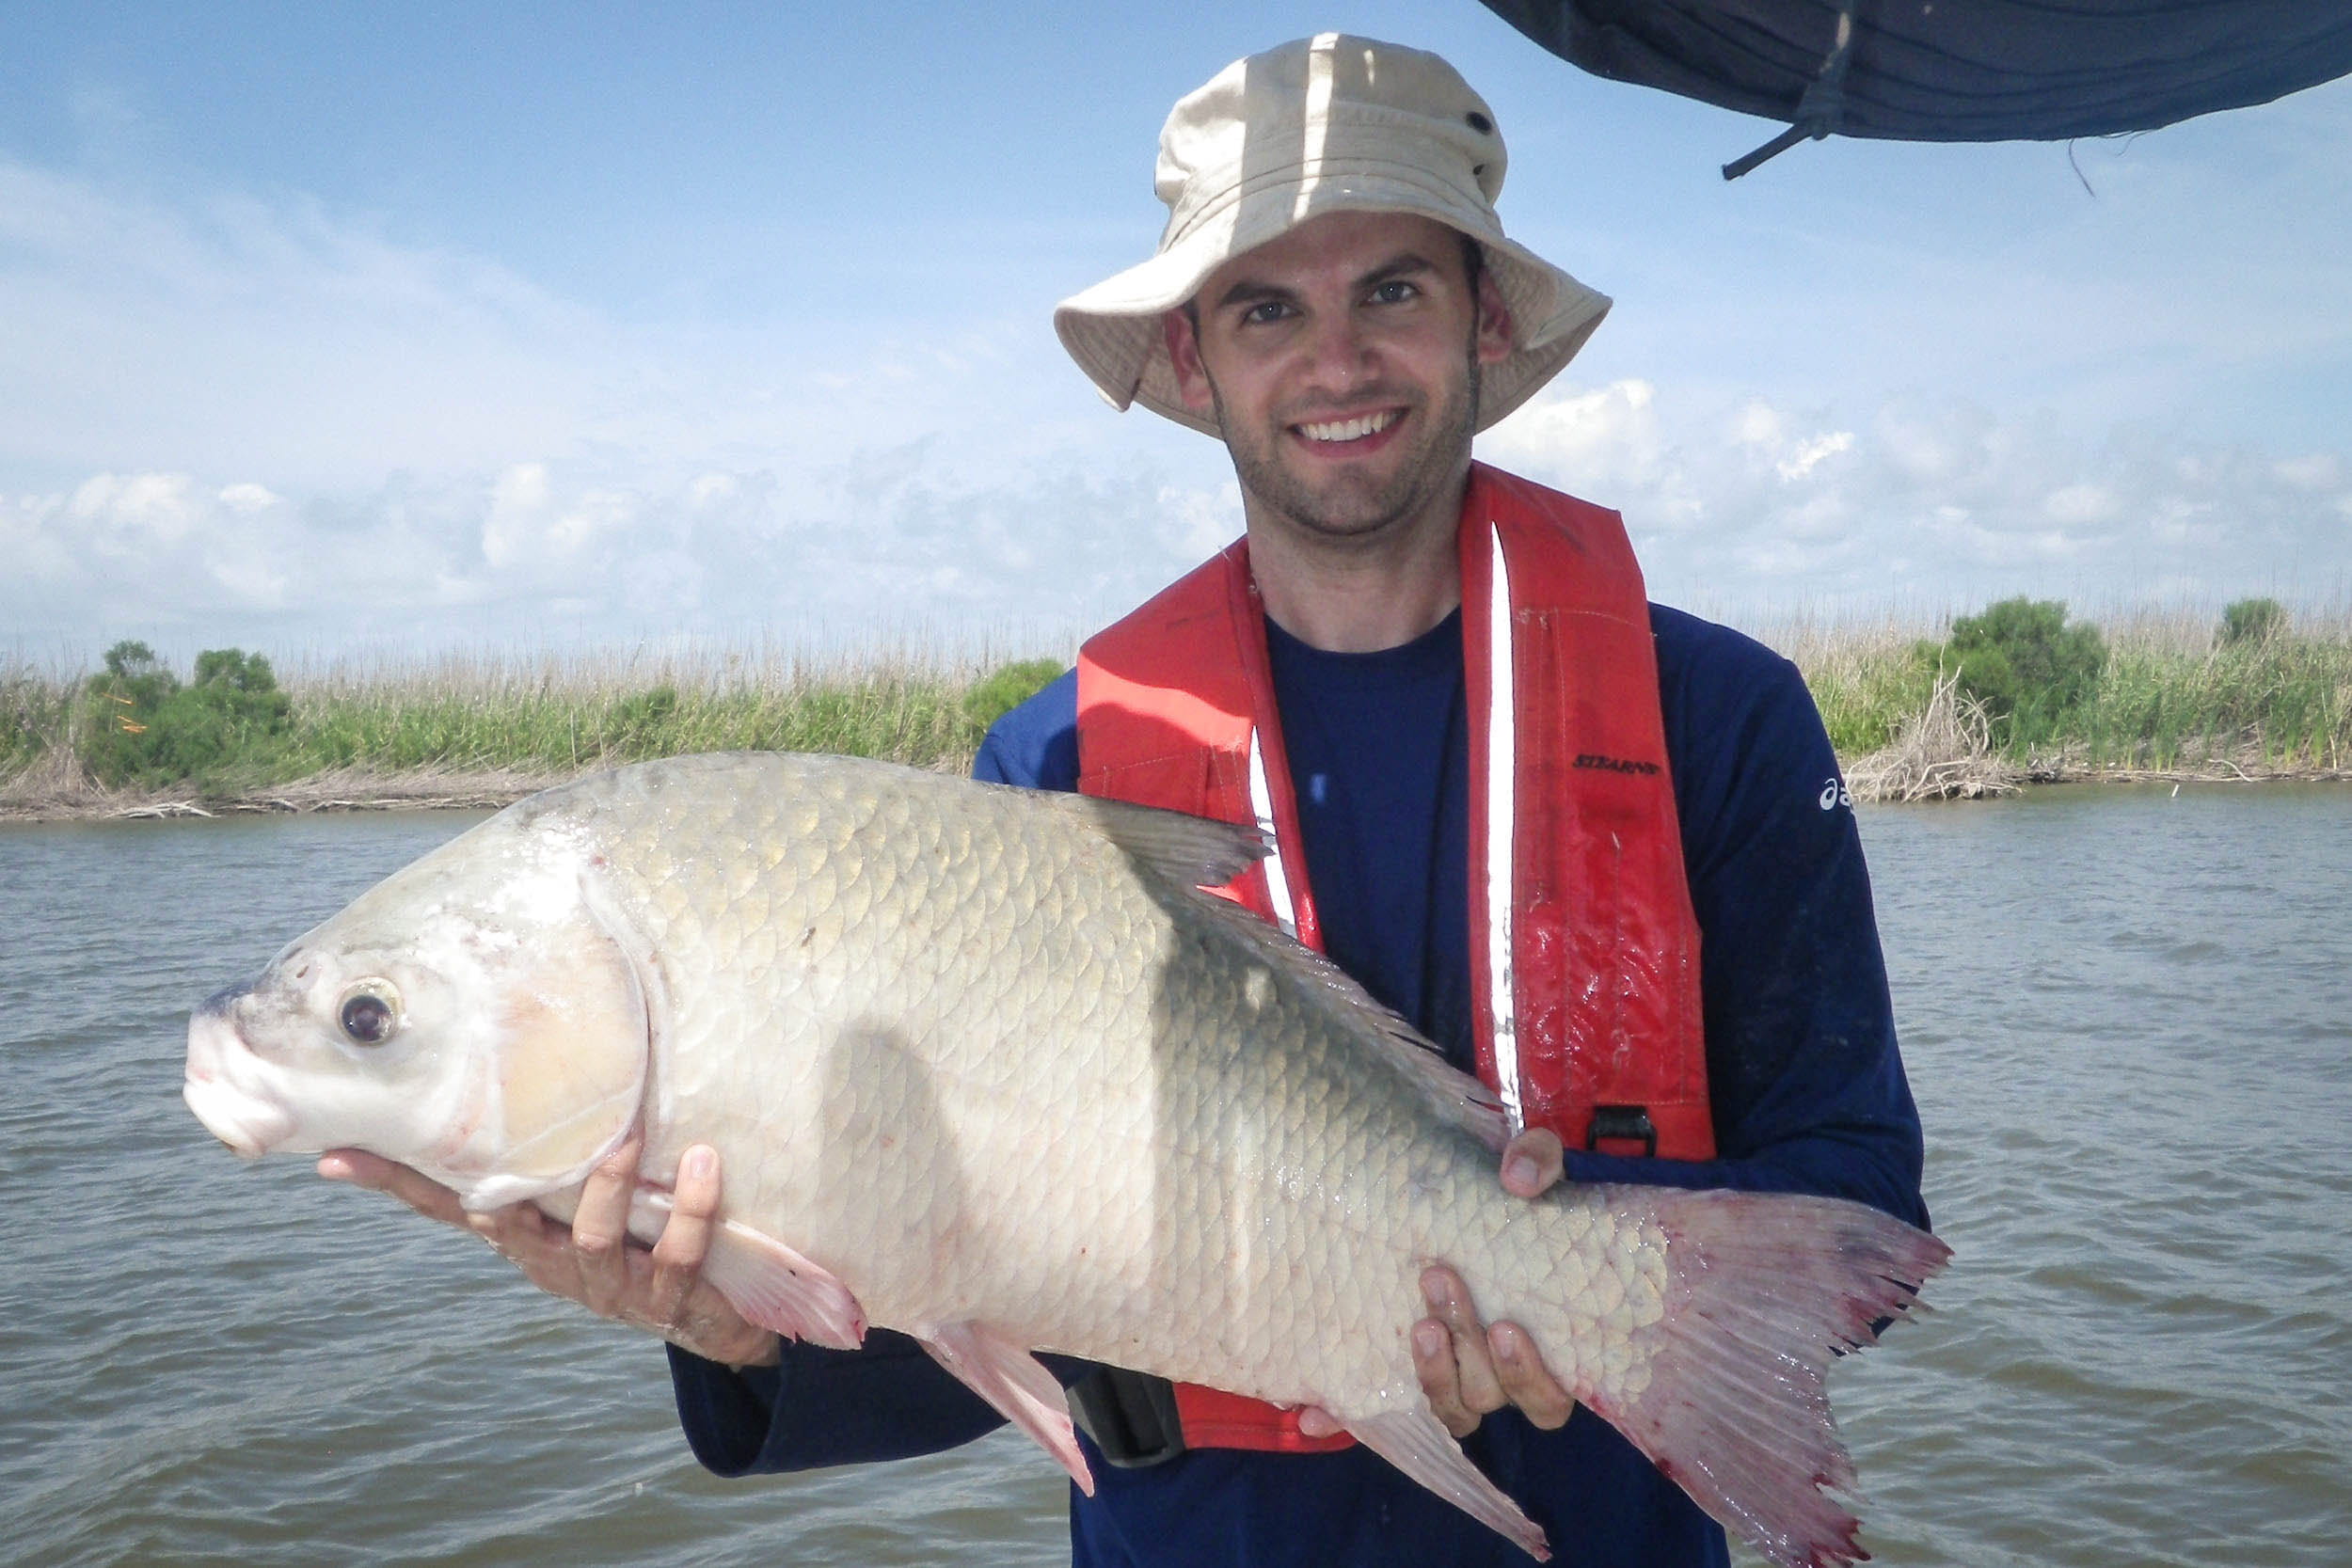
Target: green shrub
[145, 728]
[2029, 669]
[1007, 688]
[136, 678]
[2252, 621]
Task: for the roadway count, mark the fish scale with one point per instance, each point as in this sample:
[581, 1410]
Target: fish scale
[986, 1067]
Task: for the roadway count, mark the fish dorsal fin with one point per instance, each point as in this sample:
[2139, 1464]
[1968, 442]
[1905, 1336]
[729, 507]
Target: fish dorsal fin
[1456, 1098]
[1189, 851]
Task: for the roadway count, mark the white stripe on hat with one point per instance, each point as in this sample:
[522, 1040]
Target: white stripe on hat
[1318, 131]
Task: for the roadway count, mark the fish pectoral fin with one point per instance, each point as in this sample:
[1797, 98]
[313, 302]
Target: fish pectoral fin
[779, 1288]
[1417, 1443]
[1003, 1372]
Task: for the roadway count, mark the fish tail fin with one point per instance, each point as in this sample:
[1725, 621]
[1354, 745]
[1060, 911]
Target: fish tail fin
[1766, 1288]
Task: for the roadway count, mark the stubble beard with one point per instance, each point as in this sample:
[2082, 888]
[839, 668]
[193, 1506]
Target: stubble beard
[1442, 455]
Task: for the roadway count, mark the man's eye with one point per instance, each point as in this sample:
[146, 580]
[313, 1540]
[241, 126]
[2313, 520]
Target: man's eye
[1394, 291]
[1264, 312]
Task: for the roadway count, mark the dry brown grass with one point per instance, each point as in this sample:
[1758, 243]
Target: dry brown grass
[1943, 753]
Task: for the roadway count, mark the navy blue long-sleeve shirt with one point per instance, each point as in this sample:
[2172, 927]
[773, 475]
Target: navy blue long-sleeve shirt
[1806, 1085]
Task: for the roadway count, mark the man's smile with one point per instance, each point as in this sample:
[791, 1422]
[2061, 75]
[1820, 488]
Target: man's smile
[1357, 432]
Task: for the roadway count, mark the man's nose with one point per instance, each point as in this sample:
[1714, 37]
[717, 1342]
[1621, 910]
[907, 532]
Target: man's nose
[1341, 353]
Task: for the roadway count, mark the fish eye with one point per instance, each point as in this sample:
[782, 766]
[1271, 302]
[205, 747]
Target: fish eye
[368, 1014]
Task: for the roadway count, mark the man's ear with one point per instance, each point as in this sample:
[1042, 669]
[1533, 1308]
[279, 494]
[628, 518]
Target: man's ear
[1184, 357]
[1497, 333]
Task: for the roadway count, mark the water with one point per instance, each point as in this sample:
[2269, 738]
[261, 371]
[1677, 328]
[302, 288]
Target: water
[2126, 1017]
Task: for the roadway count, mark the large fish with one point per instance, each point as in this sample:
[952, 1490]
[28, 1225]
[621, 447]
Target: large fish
[985, 1066]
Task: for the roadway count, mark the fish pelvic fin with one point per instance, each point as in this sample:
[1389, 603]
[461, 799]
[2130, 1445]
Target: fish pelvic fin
[777, 1287]
[1764, 1289]
[1417, 1443]
[1002, 1371]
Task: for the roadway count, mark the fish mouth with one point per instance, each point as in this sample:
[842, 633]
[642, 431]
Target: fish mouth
[222, 1087]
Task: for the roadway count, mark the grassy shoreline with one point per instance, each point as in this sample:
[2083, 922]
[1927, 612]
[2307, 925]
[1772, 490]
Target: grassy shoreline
[2172, 702]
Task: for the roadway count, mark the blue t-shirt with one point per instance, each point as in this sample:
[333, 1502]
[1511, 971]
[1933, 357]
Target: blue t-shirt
[1806, 1085]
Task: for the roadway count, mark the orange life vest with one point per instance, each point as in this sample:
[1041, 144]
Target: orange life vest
[1585, 952]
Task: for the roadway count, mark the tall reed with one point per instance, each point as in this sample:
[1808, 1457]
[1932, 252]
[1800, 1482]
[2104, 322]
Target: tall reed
[2175, 695]
[538, 717]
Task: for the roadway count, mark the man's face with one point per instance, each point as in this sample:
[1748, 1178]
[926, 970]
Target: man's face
[1342, 364]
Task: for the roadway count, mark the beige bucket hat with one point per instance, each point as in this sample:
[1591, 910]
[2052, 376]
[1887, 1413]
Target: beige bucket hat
[1325, 124]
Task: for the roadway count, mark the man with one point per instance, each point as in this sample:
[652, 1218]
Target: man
[1443, 690]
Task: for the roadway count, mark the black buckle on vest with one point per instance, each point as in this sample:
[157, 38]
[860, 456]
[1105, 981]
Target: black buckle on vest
[1131, 1415]
[1621, 1124]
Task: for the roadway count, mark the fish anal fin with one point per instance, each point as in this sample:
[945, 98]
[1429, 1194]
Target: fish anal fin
[1417, 1443]
[1002, 1371]
[775, 1286]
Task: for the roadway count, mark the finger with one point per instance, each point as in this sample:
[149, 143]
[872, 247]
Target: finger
[678, 1257]
[1526, 1381]
[1532, 1162]
[712, 1329]
[1440, 1383]
[1315, 1421]
[1478, 1388]
[420, 1192]
[541, 1248]
[600, 1230]
[518, 1232]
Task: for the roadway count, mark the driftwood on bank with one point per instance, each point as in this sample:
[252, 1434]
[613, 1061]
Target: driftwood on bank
[1944, 752]
[343, 789]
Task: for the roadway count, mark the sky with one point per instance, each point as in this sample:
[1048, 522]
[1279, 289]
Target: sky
[409, 326]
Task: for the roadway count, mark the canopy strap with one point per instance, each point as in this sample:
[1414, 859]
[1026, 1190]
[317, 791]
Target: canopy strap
[1824, 104]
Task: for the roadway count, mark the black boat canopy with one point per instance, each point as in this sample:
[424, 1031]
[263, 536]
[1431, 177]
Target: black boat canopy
[1951, 70]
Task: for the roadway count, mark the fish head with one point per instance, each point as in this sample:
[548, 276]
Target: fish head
[478, 1016]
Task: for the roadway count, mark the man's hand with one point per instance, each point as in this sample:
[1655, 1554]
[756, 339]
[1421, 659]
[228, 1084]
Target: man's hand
[1467, 1367]
[592, 1260]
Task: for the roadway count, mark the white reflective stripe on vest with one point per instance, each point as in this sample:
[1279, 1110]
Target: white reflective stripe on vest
[1278, 881]
[1501, 783]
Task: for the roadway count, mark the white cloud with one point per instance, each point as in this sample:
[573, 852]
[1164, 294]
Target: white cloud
[1610, 435]
[2318, 470]
[259, 419]
[1941, 501]
[247, 496]
[541, 550]
[1804, 456]
[2079, 503]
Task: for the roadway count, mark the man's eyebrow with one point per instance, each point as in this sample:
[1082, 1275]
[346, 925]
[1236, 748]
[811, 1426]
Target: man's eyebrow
[1248, 291]
[1405, 265]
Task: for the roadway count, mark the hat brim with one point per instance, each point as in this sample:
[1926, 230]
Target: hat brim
[1113, 329]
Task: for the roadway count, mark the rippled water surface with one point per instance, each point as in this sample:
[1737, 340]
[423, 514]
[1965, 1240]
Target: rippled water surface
[2129, 1019]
